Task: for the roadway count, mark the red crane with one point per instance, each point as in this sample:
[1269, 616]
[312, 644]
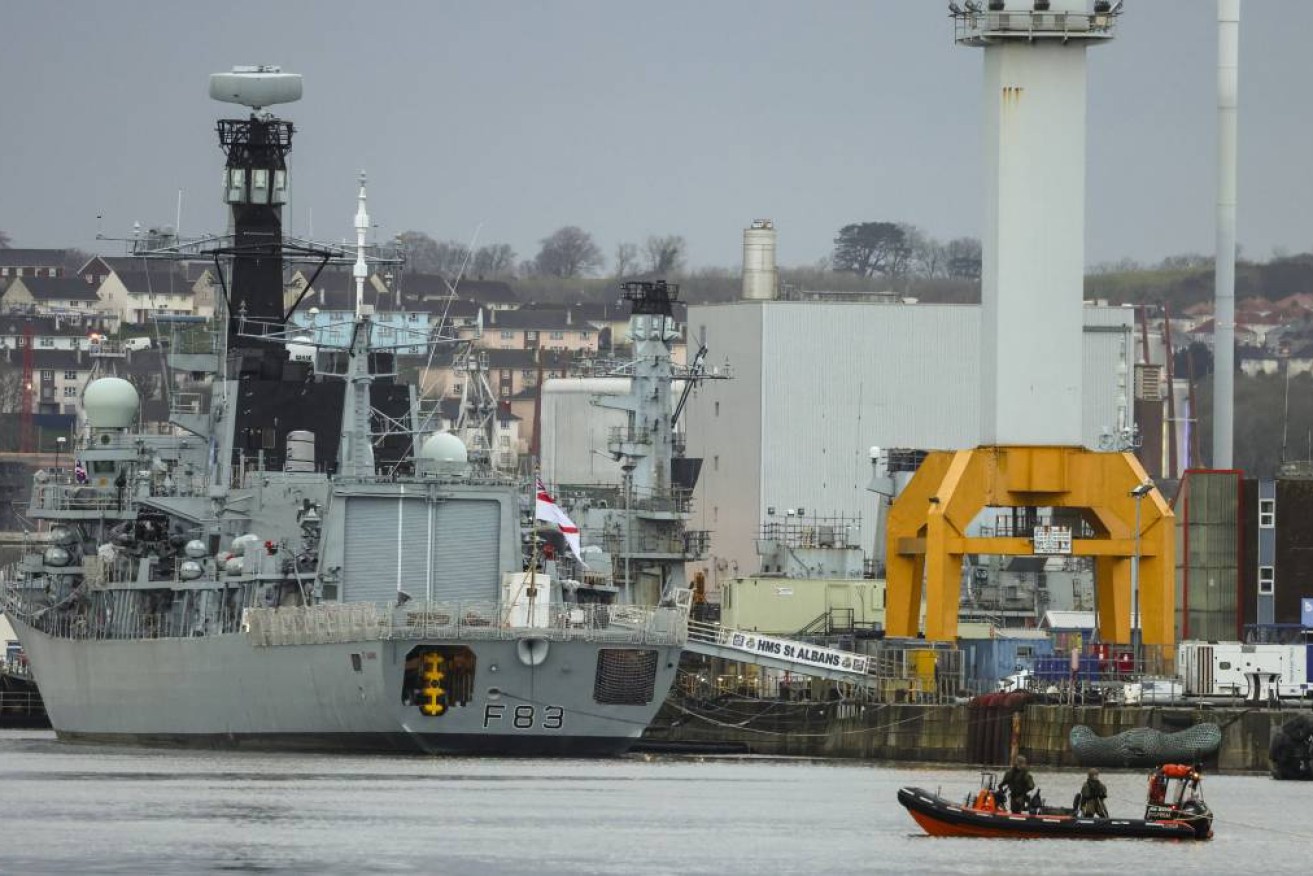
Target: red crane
[26, 432]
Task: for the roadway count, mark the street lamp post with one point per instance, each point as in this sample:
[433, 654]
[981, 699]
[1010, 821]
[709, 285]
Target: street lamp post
[1138, 494]
[59, 450]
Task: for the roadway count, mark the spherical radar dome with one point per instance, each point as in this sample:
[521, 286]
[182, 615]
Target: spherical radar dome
[444, 447]
[110, 403]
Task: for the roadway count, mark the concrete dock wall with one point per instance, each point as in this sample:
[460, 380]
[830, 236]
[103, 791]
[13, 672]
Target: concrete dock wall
[942, 734]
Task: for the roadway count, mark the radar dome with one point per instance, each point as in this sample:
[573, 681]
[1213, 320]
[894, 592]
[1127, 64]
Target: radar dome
[256, 87]
[110, 403]
[444, 447]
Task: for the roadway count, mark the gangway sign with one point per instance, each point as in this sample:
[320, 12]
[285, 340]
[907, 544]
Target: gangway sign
[800, 652]
[793, 655]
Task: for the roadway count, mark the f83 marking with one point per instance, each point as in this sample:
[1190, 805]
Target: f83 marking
[524, 716]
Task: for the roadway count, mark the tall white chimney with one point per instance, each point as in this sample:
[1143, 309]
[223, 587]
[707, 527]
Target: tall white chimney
[760, 277]
[1228, 84]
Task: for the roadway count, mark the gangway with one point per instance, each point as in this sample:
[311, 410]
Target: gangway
[795, 656]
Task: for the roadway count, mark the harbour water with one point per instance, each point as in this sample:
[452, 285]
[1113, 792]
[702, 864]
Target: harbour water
[84, 809]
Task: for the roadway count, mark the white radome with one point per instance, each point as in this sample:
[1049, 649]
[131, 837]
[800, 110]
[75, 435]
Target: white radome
[256, 87]
[110, 403]
[444, 447]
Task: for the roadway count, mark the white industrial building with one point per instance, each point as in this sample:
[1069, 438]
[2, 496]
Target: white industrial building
[816, 385]
[575, 429]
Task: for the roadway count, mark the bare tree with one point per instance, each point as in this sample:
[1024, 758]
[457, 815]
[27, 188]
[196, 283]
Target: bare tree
[963, 258]
[665, 255]
[11, 387]
[494, 260]
[74, 259]
[424, 255]
[926, 255]
[568, 252]
[4, 240]
[626, 259]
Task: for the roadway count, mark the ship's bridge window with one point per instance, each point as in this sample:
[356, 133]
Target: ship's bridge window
[102, 466]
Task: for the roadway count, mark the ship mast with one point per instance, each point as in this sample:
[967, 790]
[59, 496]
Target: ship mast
[356, 454]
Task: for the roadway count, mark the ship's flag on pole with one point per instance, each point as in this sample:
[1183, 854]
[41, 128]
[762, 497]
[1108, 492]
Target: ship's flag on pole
[547, 509]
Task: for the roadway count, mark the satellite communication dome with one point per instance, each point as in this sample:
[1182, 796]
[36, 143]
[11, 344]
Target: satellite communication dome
[444, 447]
[256, 87]
[110, 403]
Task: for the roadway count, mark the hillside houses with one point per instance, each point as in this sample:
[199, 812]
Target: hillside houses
[51, 295]
[32, 263]
[137, 289]
[52, 331]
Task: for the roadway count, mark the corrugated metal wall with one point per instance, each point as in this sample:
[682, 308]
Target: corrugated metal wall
[388, 545]
[575, 431]
[723, 424]
[466, 551]
[1207, 602]
[816, 385]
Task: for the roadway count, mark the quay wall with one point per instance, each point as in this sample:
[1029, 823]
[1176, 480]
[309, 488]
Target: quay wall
[946, 733]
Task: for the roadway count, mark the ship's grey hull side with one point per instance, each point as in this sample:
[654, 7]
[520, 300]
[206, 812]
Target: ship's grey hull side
[223, 691]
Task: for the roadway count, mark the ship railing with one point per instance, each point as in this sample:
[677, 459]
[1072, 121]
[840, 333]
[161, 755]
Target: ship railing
[61, 492]
[15, 704]
[466, 620]
[104, 623]
[193, 403]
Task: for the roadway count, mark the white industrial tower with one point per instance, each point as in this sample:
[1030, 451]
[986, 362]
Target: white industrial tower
[1032, 295]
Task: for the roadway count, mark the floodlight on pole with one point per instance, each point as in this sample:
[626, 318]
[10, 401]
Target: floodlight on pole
[1138, 493]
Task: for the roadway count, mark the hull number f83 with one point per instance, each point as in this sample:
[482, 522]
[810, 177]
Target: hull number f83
[523, 717]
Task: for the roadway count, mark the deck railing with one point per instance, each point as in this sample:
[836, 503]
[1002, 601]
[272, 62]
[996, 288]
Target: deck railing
[359, 622]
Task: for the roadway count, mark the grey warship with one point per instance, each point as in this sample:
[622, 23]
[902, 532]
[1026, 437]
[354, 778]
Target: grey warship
[294, 564]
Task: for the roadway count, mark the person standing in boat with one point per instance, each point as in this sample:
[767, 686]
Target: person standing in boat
[1092, 795]
[1018, 783]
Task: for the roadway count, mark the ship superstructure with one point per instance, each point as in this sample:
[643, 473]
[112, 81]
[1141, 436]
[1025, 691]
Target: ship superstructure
[292, 566]
[636, 537]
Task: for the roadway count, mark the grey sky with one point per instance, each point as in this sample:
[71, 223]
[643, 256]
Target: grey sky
[630, 119]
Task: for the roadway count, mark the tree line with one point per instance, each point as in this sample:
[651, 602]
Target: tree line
[897, 250]
[866, 249]
[567, 253]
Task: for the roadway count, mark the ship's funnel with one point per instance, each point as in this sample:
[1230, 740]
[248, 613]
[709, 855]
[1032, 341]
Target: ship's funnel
[256, 87]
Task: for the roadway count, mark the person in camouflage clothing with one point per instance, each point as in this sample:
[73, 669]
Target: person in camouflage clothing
[1018, 783]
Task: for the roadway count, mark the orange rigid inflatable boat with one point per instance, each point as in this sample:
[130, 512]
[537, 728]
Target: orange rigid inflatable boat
[1175, 810]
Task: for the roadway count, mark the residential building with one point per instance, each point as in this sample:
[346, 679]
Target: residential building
[136, 289]
[52, 331]
[31, 263]
[509, 372]
[58, 377]
[48, 295]
[534, 329]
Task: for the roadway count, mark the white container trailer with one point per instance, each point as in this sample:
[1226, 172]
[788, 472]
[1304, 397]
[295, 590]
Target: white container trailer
[1231, 668]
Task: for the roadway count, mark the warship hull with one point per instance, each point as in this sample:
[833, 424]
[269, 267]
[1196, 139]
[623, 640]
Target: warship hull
[525, 696]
